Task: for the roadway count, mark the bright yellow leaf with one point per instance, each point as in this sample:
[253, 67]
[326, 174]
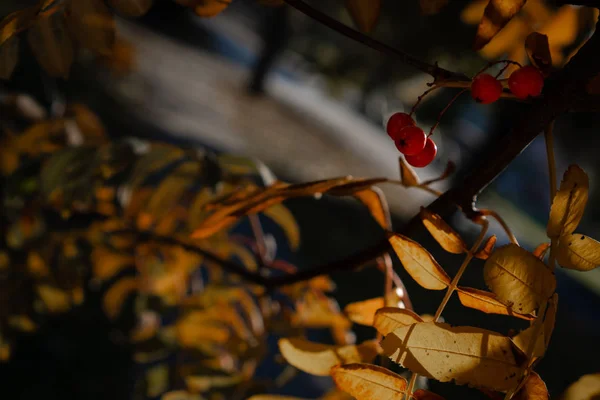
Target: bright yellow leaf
[443, 233]
[368, 382]
[388, 319]
[486, 302]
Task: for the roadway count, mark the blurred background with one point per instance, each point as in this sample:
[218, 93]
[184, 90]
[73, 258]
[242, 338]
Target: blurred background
[271, 84]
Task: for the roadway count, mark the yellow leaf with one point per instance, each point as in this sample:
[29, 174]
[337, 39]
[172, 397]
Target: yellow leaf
[443, 233]
[157, 380]
[22, 323]
[363, 312]
[131, 8]
[585, 388]
[518, 278]
[377, 204]
[579, 252]
[419, 263]
[523, 338]
[92, 25]
[430, 7]
[205, 383]
[486, 250]
[408, 176]
[211, 8]
[282, 216]
[423, 394]
[194, 328]
[538, 51]
[533, 389]
[55, 300]
[367, 382]
[107, 262]
[486, 302]
[364, 13]
[569, 203]
[51, 44]
[336, 394]
[318, 359]
[473, 13]
[180, 395]
[550, 318]
[388, 319]
[9, 56]
[497, 13]
[474, 356]
[117, 294]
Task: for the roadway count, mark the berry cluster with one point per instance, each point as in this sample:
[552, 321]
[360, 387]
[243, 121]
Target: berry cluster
[410, 140]
[523, 83]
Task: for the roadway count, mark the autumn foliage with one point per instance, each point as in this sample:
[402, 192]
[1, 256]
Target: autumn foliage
[155, 228]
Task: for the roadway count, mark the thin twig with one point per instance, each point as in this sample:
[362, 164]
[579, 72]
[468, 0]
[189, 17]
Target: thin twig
[438, 73]
[503, 223]
[259, 236]
[439, 118]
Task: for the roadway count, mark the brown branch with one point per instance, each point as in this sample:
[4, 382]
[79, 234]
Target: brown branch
[438, 73]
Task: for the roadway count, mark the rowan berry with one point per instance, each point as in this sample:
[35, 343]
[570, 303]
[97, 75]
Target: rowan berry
[486, 89]
[398, 121]
[410, 140]
[425, 157]
[526, 82]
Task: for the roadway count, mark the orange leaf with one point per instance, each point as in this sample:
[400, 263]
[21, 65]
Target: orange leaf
[364, 13]
[443, 233]
[540, 251]
[423, 394]
[487, 249]
[408, 176]
[486, 302]
[534, 389]
[496, 15]
[363, 312]
[388, 319]
[211, 8]
[377, 204]
[367, 382]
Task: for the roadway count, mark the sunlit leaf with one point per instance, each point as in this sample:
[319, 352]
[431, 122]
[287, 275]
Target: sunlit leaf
[180, 395]
[92, 25]
[540, 251]
[116, 295]
[210, 8]
[538, 51]
[318, 359]
[9, 56]
[465, 354]
[364, 13]
[157, 380]
[363, 312]
[204, 383]
[131, 8]
[523, 339]
[533, 389]
[443, 233]
[407, 173]
[22, 323]
[518, 278]
[377, 204]
[55, 300]
[579, 252]
[193, 329]
[423, 394]
[388, 319]
[336, 394]
[107, 263]
[497, 14]
[486, 302]
[486, 250]
[569, 203]
[419, 263]
[366, 382]
[430, 7]
[88, 123]
[282, 216]
[51, 44]
[585, 388]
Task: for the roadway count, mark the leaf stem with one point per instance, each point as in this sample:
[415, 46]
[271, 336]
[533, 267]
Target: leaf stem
[503, 223]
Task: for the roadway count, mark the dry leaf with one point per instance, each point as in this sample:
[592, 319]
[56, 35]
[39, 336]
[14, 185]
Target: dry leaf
[533, 389]
[486, 302]
[419, 263]
[364, 13]
[363, 312]
[201, 384]
[423, 394]
[468, 355]
[569, 203]
[51, 44]
[443, 233]
[180, 395]
[92, 25]
[388, 319]
[210, 8]
[579, 252]
[375, 200]
[496, 15]
[131, 8]
[538, 51]
[523, 339]
[408, 176]
[486, 250]
[430, 7]
[55, 300]
[9, 56]
[586, 388]
[540, 251]
[550, 318]
[116, 295]
[318, 359]
[16, 22]
[518, 278]
[367, 382]
[285, 219]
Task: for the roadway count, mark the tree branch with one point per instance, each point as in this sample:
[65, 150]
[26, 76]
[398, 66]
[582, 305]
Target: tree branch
[438, 73]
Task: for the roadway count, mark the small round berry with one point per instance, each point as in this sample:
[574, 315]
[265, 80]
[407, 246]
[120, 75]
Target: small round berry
[410, 140]
[525, 82]
[486, 89]
[398, 121]
[423, 158]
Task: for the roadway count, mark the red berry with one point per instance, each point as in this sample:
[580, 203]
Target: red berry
[411, 140]
[423, 158]
[486, 89]
[398, 121]
[525, 82]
